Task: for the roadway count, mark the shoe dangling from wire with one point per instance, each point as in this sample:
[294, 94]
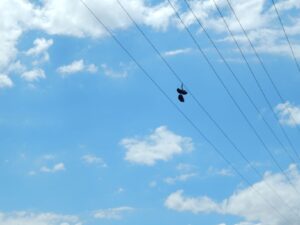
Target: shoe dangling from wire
[181, 93]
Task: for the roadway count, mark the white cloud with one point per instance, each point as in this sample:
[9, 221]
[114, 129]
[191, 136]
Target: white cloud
[16, 67]
[91, 159]
[41, 45]
[181, 178]
[289, 114]
[5, 81]
[17, 14]
[161, 145]
[40, 50]
[177, 52]
[114, 74]
[76, 67]
[30, 218]
[178, 202]
[113, 213]
[33, 75]
[64, 17]
[56, 168]
[257, 17]
[247, 204]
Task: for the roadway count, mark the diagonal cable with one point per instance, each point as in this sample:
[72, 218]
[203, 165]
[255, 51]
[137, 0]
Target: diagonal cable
[286, 36]
[181, 112]
[198, 103]
[240, 84]
[269, 77]
[234, 101]
[258, 84]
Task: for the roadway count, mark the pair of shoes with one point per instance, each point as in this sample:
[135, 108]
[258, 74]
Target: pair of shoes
[181, 93]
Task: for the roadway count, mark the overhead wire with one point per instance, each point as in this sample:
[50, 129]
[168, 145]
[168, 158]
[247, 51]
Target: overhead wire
[179, 110]
[239, 83]
[269, 77]
[293, 54]
[234, 101]
[285, 34]
[258, 84]
[198, 102]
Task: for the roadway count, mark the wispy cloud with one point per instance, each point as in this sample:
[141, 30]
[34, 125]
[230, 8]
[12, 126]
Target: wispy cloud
[92, 159]
[32, 218]
[177, 52]
[56, 168]
[181, 178]
[109, 72]
[224, 172]
[76, 67]
[33, 75]
[112, 213]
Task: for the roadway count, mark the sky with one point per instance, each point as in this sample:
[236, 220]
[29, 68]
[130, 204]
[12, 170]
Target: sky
[88, 136]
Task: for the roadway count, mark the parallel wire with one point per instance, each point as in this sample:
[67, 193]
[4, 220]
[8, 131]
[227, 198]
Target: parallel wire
[219, 152]
[269, 77]
[261, 90]
[286, 36]
[293, 53]
[200, 105]
[240, 84]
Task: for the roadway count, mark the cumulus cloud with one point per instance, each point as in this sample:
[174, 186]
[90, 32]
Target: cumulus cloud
[257, 17]
[247, 204]
[289, 114]
[30, 218]
[56, 168]
[178, 202]
[40, 50]
[92, 159]
[113, 213]
[161, 145]
[33, 75]
[5, 81]
[64, 17]
[41, 45]
[76, 67]
[17, 14]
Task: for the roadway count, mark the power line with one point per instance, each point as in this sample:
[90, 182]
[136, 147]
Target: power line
[180, 111]
[269, 77]
[258, 84]
[286, 36]
[239, 83]
[233, 99]
[196, 100]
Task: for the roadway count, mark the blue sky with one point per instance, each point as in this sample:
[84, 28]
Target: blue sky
[88, 139]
